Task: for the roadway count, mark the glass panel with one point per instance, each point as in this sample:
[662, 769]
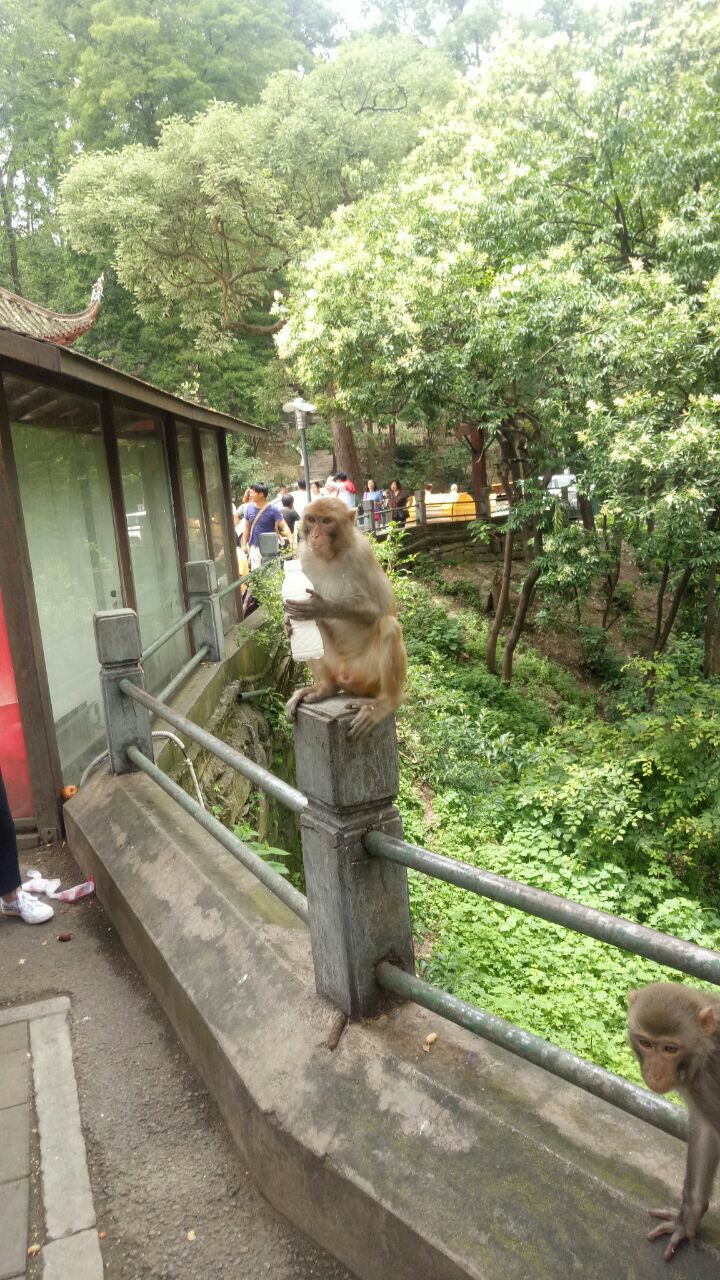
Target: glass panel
[197, 542]
[216, 504]
[151, 527]
[68, 518]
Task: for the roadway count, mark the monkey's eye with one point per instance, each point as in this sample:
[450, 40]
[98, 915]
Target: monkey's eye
[327, 520]
[671, 1048]
[644, 1044]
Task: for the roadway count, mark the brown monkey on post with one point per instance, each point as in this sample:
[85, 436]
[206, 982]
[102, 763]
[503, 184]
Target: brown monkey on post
[675, 1032]
[352, 603]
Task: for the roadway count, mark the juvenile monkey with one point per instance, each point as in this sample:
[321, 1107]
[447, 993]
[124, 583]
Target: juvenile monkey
[675, 1032]
[352, 603]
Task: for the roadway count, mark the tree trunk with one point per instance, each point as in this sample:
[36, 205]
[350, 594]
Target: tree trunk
[502, 604]
[346, 457]
[392, 439]
[675, 603]
[526, 595]
[10, 231]
[659, 608]
[586, 512]
[709, 637]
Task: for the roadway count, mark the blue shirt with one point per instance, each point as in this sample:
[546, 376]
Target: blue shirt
[265, 523]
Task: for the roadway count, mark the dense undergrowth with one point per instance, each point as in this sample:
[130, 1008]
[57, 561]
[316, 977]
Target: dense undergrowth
[613, 800]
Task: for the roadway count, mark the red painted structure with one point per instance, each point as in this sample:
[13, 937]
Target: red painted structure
[13, 756]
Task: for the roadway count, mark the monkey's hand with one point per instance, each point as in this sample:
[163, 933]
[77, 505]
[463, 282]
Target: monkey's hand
[675, 1226]
[308, 610]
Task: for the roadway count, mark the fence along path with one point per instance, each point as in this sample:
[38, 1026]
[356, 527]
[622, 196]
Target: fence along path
[356, 861]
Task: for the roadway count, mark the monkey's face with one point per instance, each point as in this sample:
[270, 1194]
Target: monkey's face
[327, 527]
[660, 1060]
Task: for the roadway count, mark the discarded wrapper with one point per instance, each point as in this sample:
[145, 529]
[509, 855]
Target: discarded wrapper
[36, 883]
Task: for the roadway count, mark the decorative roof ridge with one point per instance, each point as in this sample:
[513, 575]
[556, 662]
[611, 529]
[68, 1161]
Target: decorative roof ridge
[24, 316]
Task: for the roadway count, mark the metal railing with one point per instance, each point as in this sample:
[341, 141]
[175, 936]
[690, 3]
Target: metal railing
[672, 952]
[356, 870]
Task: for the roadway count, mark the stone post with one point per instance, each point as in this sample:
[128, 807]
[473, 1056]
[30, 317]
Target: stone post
[119, 648]
[420, 508]
[207, 627]
[359, 908]
[269, 547]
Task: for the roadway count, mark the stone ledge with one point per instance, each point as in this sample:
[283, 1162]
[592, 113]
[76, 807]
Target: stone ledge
[462, 1162]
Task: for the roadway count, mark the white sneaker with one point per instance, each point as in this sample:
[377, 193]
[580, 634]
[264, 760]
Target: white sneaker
[28, 908]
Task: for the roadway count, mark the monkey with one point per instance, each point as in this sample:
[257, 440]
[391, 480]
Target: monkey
[675, 1032]
[353, 604]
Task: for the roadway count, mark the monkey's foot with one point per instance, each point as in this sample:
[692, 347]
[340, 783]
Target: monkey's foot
[673, 1226]
[292, 704]
[367, 716]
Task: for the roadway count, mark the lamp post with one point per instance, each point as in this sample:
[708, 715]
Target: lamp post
[301, 408]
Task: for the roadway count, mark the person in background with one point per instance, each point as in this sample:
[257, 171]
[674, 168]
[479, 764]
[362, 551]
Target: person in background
[14, 901]
[290, 516]
[301, 498]
[398, 498]
[372, 499]
[261, 517]
[428, 487]
[241, 507]
[282, 491]
[346, 488]
[315, 490]
[331, 488]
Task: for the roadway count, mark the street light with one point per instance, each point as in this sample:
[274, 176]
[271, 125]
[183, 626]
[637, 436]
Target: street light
[301, 408]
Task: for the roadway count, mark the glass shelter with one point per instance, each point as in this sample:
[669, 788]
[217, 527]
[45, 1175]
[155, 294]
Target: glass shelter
[108, 487]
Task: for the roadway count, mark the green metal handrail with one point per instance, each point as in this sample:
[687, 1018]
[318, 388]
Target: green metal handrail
[260, 777]
[171, 631]
[276, 883]
[624, 934]
[636, 938]
[240, 582]
[596, 1080]
[184, 672]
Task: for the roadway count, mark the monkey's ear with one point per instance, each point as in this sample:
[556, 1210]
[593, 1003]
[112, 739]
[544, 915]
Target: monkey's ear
[708, 1020]
[632, 997]
[352, 512]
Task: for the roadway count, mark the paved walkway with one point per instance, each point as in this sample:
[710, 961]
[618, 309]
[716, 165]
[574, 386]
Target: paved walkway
[174, 1197]
[38, 1095]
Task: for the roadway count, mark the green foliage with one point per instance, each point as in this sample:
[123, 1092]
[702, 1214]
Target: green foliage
[598, 656]
[527, 782]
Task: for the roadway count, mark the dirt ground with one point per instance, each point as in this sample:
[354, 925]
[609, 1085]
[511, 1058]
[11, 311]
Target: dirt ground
[161, 1161]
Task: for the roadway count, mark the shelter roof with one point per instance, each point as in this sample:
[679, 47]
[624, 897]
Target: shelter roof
[32, 354]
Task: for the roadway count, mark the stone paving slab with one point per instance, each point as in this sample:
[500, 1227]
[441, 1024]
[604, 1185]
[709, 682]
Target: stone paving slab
[15, 1079]
[66, 1184]
[14, 1207]
[13, 1037]
[15, 1145]
[75, 1258]
[74, 1249]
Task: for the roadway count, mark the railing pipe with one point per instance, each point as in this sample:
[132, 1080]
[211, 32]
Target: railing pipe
[636, 938]
[183, 673]
[603, 1084]
[171, 631]
[240, 582]
[282, 888]
[275, 787]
